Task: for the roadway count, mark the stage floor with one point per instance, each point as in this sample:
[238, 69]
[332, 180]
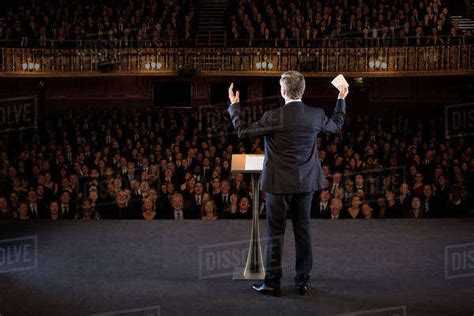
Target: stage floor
[376, 267]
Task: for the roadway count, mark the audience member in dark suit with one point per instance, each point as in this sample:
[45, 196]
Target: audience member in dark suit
[335, 182]
[458, 205]
[121, 209]
[130, 175]
[206, 173]
[441, 197]
[177, 210]
[223, 198]
[293, 129]
[335, 209]
[136, 194]
[393, 209]
[320, 206]
[23, 212]
[163, 203]
[35, 210]
[67, 209]
[403, 198]
[53, 213]
[86, 212]
[427, 204]
[196, 201]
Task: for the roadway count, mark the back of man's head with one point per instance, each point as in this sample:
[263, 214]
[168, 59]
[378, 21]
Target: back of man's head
[292, 85]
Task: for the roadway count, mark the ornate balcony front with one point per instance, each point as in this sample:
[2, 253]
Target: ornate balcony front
[366, 61]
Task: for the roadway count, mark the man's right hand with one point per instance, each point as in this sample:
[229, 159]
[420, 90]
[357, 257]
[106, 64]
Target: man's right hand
[233, 97]
[343, 92]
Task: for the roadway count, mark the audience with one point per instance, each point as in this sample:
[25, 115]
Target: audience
[267, 23]
[175, 164]
[316, 23]
[98, 24]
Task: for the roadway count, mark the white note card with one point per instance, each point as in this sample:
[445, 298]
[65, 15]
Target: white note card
[340, 81]
[254, 162]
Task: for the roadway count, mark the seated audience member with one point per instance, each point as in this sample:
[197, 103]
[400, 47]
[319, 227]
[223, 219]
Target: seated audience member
[5, 212]
[244, 209]
[54, 211]
[381, 207]
[458, 205]
[354, 210]
[196, 201]
[86, 212]
[426, 199]
[441, 197]
[35, 210]
[335, 209]
[367, 210]
[223, 197]
[231, 210]
[67, 209]
[14, 204]
[209, 211]
[177, 211]
[417, 187]
[416, 210]
[23, 212]
[320, 205]
[393, 209]
[403, 198]
[149, 209]
[122, 209]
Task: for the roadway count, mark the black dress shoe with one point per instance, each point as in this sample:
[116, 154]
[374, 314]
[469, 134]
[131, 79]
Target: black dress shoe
[266, 289]
[301, 289]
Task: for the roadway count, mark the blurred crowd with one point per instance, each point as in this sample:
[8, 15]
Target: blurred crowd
[267, 23]
[176, 164]
[316, 23]
[98, 24]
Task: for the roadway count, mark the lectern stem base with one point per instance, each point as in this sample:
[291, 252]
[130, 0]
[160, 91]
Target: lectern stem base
[239, 275]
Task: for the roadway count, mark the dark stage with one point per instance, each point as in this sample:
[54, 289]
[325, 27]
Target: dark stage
[388, 267]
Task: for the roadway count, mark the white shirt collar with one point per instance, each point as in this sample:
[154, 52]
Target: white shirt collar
[298, 100]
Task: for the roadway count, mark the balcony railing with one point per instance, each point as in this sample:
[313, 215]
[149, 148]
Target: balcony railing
[441, 59]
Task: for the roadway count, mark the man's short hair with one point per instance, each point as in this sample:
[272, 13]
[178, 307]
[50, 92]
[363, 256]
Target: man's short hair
[293, 84]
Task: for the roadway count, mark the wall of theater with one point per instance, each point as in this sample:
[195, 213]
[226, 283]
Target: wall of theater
[371, 95]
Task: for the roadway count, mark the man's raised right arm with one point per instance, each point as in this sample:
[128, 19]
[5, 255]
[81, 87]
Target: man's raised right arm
[335, 123]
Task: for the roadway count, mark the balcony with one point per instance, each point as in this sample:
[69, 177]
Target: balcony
[432, 60]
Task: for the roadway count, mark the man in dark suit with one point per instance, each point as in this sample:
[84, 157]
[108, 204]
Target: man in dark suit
[35, 210]
[178, 209]
[67, 210]
[320, 207]
[222, 199]
[291, 172]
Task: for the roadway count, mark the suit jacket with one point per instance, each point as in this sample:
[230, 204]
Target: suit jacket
[220, 205]
[316, 211]
[291, 163]
[193, 210]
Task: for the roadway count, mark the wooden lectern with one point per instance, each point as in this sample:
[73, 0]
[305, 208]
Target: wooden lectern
[254, 268]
